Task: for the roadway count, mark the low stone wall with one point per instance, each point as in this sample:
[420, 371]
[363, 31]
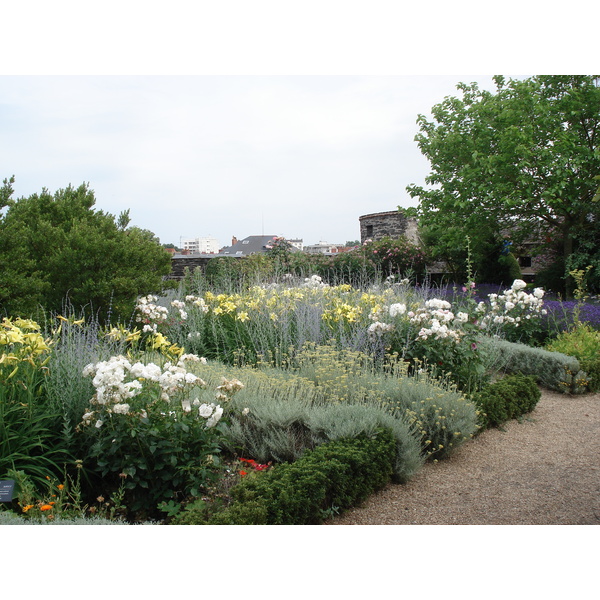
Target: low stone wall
[191, 262]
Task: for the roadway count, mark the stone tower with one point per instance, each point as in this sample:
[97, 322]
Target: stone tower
[393, 224]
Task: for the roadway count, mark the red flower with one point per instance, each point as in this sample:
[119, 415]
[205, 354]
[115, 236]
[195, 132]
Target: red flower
[243, 473]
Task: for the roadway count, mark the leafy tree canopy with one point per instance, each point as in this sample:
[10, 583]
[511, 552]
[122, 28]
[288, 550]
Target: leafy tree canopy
[521, 161]
[56, 248]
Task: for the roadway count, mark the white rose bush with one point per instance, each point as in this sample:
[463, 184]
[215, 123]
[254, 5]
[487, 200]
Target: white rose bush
[442, 338]
[516, 312]
[147, 426]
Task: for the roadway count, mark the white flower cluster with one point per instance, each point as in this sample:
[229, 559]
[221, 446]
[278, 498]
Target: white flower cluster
[397, 309]
[437, 320]
[117, 380]
[197, 302]
[211, 412]
[150, 313]
[438, 331]
[378, 328]
[153, 315]
[314, 281]
[180, 306]
[514, 305]
[227, 388]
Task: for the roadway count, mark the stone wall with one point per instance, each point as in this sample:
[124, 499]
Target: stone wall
[392, 224]
[180, 263]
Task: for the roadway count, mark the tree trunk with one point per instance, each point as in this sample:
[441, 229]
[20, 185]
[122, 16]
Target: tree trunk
[567, 251]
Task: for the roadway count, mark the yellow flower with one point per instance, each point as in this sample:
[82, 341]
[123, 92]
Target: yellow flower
[12, 336]
[228, 306]
[26, 324]
[133, 336]
[242, 316]
[159, 341]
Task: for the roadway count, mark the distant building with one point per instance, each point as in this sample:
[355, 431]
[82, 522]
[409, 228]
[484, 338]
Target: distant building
[253, 244]
[323, 248]
[297, 243]
[202, 245]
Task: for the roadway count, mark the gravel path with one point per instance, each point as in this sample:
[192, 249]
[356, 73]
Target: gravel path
[544, 470]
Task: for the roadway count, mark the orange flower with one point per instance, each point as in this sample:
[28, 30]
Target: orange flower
[46, 507]
[28, 507]
[60, 486]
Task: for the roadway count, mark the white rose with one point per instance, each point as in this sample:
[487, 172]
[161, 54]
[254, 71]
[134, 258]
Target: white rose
[397, 309]
[205, 410]
[214, 419]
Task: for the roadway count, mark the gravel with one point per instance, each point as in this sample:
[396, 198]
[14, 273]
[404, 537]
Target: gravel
[541, 470]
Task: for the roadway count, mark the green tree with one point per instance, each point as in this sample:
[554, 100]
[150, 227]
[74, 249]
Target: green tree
[521, 160]
[56, 248]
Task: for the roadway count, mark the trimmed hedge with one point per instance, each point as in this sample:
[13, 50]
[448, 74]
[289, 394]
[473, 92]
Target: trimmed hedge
[337, 474]
[509, 398]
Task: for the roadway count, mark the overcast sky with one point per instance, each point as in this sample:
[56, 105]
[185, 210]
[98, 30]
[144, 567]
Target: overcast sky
[236, 119]
[197, 156]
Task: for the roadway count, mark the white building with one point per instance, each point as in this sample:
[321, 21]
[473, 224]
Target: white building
[204, 245]
[297, 243]
[323, 248]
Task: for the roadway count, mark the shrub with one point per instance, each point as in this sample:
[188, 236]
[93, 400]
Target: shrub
[336, 475]
[506, 399]
[583, 343]
[152, 428]
[552, 370]
[283, 431]
[440, 415]
[443, 418]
